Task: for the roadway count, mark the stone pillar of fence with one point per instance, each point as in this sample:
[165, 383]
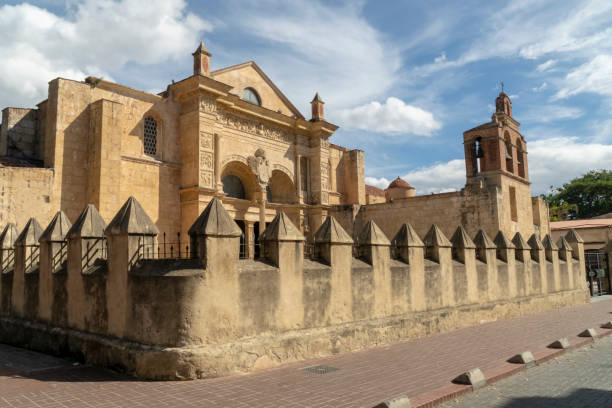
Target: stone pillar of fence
[438, 250]
[284, 247]
[7, 266]
[132, 237]
[539, 279]
[566, 280]
[52, 295]
[408, 247]
[86, 257]
[522, 254]
[551, 252]
[334, 246]
[506, 270]
[578, 273]
[464, 252]
[215, 240]
[374, 247]
[24, 299]
[485, 253]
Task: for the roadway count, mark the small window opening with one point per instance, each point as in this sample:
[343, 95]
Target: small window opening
[479, 155]
[251, 96]
[150, 136]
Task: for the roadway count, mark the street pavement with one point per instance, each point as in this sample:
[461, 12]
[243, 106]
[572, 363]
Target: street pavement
[581, 378]
[421, 369]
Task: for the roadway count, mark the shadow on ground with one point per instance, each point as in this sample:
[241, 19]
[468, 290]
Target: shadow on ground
[581, 398]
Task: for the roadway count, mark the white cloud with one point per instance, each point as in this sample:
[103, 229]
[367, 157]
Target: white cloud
[551, 162]
[545, 66]
[550, 113]
[326, 48]
[393, 116]
[93, 38]
[377, 182]
[540, 88]
[594, 76]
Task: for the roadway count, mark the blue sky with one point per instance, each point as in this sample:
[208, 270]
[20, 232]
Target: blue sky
[402, 79]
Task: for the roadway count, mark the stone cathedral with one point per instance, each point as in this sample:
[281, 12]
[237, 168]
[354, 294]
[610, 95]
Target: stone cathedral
[232, 134]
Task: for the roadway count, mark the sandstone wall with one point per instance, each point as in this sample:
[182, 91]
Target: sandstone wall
[18, 135]
[25, 191]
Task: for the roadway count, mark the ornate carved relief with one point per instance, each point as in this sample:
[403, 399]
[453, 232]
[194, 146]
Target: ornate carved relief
[256, 128]
[206, 160]
[206, 141]
[208, 105]
[260, 165]
[324, 198]
[206, 178]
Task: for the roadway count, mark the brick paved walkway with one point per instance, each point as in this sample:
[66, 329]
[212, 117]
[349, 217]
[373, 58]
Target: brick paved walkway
[420, 369]
[581, 378]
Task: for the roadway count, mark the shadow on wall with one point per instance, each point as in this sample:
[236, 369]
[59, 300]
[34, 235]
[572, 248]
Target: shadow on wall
[583, 397]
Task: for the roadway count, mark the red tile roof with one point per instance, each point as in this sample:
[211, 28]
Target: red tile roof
[589, 223]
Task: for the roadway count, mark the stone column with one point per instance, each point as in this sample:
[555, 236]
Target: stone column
[578, 272]
[130, 234]
[24, 298]
[438, 250]
[334, 246]
[506, 271]
[7, 262]
[409, 249]
[464, 251]
[566, 280]
[485, 253]
[538, 267]
[249, 237]
[522, 254]
[215, 241]
[86, 256]
[551, 251]
[374, 248]
[53, 270]
[284, 247]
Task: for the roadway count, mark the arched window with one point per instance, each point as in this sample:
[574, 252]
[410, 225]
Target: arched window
[251, 96]
[150, 136]
[233, 187]
[509, 158]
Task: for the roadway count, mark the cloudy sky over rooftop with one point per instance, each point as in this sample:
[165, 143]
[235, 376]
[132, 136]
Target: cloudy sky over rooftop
[402, 79]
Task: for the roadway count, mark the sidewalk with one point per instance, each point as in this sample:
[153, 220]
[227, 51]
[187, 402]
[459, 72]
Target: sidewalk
[420, 369]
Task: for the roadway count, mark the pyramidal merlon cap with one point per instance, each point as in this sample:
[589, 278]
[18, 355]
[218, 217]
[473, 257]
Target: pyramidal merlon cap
[461, 239]
[331, 232]
[572, 236]
[371, 234]
[535, 242]
[482, 240]
[215, 221]
[89, 224]
[57, 229]
[8, 236]
[501, 241]
[282, 229]
[519, 242]
[407, 237]
[564, 245]
[435, 237]
[133, 220]
[548, 243]
[30, 234]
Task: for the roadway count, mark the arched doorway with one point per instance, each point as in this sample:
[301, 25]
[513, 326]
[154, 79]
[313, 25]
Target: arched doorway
[238, 181]
[281, 188]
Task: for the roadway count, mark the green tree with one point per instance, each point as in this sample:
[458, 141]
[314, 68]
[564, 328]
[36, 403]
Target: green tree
[585, 197]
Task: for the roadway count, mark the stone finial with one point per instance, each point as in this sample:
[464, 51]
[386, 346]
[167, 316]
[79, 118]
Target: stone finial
[317, 108]
[215, 221]
[483, 241]
[89, 224]
[201, 60]
[573, 237]
[30, 234]
[281, 229]
[503, 246]
[519, 242]
[407, 237]
[371, 234]
[8, 236]
[331, 232]
[461, 239]
[57, 229]
[549, 244]
[435, 237]
[435, 240]
[131, 219]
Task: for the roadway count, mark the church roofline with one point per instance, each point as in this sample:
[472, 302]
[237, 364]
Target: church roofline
[253, 64]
